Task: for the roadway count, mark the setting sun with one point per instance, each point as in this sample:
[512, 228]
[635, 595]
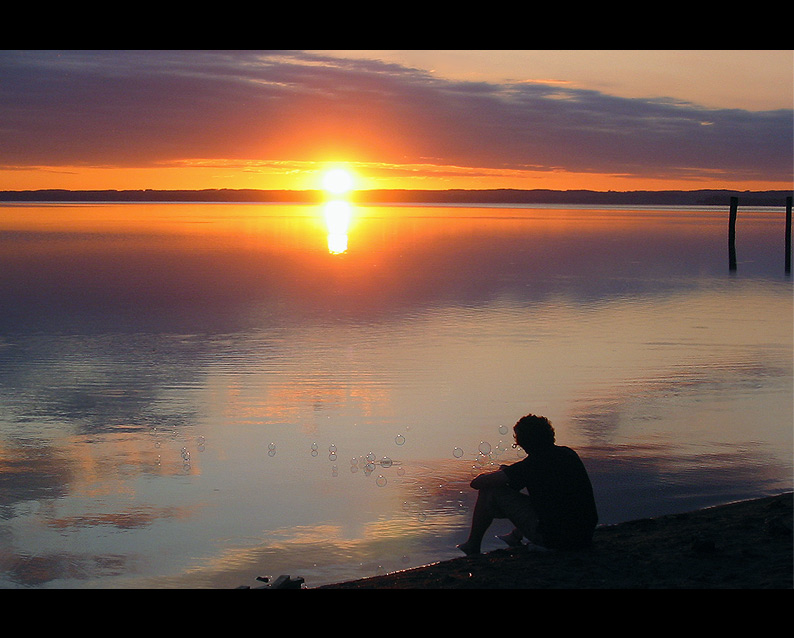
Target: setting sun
[338, 181]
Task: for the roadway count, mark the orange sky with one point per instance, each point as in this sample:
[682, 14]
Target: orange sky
[367, 177]
[419, 119]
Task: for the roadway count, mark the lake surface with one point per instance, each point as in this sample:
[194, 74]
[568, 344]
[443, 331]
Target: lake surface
[194, 395]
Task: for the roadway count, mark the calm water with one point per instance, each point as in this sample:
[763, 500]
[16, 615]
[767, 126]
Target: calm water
[194, 395]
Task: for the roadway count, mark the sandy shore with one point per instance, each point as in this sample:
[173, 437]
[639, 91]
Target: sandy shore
[745, 545]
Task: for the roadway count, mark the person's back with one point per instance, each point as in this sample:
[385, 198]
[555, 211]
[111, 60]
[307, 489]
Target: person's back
[561, 494]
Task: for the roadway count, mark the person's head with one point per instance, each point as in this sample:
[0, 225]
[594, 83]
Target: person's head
[533, 432]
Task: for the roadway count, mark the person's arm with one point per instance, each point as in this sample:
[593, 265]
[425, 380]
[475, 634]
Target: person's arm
[489, 480]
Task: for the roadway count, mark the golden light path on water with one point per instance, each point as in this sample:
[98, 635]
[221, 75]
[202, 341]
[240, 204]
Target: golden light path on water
[338, 212]
[338, 215]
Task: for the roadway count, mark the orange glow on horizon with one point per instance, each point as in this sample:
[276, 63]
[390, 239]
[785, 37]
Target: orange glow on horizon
[363, 176]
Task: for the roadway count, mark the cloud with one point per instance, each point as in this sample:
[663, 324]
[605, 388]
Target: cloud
[144, 108]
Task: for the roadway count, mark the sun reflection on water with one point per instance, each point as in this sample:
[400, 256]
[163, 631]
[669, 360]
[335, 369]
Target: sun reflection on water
[338, 215]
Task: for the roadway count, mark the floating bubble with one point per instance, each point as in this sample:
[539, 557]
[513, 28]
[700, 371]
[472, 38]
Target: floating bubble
[332, 449]
[399, 439]
[314, 446]
[502, 429]
[354, 461]
[271, 446]
[400, 471]
[370, 457]
[332, 456]
[315, 452]
[422, 517]
[386, 462]
[380, 481]
[485, 447]
[271, 452]
[457, 452]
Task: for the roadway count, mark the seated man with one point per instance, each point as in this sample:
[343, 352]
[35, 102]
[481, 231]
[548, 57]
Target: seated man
[559, 511]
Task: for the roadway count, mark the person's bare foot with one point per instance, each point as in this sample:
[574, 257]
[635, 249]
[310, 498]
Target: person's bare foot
[469, 550]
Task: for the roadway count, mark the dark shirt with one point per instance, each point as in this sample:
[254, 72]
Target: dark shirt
[560, 491]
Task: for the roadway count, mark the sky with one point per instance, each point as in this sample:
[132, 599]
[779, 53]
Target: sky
[579, 119]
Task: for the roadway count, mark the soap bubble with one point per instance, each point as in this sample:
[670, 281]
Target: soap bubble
[332, 448]
[380, 481]
[386, 462]
[370, 457]
[502, 429]
[457, 452]
[483, 459]
[485, 447]
[332, 456]
[399, 439]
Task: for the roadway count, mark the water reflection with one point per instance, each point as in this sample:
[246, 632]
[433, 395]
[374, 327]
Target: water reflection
[338, 214]
[150, 357]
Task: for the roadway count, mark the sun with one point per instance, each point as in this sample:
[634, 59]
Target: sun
[338, 181]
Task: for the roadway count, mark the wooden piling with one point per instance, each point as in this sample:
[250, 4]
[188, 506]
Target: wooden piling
[732, 234]
[788, 235]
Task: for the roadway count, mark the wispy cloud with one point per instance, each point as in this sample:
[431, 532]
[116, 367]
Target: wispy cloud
[143, 108]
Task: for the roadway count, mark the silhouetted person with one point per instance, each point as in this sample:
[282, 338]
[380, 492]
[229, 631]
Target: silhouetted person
[558, 511]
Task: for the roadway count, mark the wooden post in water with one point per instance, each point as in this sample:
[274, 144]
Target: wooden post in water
[788, 235]
[732, 234]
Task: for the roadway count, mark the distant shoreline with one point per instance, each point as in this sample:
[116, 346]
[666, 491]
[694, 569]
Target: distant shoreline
[704, 197]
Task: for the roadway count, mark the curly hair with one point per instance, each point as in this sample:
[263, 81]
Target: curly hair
[533, 431]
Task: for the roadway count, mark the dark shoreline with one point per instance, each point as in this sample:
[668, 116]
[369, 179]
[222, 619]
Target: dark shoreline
[743, 545]
[704, 197]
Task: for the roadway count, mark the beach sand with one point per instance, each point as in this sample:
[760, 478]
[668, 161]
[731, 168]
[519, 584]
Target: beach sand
[744, 545]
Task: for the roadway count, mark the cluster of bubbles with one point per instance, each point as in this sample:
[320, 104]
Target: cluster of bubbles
[200, 446]
[370, 463]
[486, 455]
[184, 452]
[367, 464]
